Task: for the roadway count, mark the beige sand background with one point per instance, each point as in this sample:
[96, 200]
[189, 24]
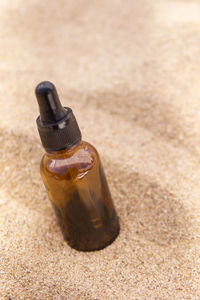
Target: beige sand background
[131, 72]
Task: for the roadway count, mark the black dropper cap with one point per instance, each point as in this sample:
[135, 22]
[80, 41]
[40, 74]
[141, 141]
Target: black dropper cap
[56, 124]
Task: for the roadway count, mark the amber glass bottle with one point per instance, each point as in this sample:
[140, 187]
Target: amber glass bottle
[73, 176]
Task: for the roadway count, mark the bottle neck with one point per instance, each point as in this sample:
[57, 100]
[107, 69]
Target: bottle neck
[67, 149]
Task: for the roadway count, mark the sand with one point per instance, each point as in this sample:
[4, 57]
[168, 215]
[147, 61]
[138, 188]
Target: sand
[130, 71]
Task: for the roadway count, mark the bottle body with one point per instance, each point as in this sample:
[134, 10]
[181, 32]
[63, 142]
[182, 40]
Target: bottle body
[77, 187]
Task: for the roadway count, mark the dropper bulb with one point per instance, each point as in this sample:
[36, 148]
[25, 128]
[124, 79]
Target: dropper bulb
[51, 110]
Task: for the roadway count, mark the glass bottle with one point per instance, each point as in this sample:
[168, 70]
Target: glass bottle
[74, 177]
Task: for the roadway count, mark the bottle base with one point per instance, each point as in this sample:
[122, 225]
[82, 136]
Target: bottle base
[103, 246]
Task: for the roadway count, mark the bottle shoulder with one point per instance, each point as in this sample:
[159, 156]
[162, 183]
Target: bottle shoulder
[76, 160]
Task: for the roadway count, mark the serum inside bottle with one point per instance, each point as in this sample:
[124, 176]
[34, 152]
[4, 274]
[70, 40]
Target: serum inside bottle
[74, 177]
